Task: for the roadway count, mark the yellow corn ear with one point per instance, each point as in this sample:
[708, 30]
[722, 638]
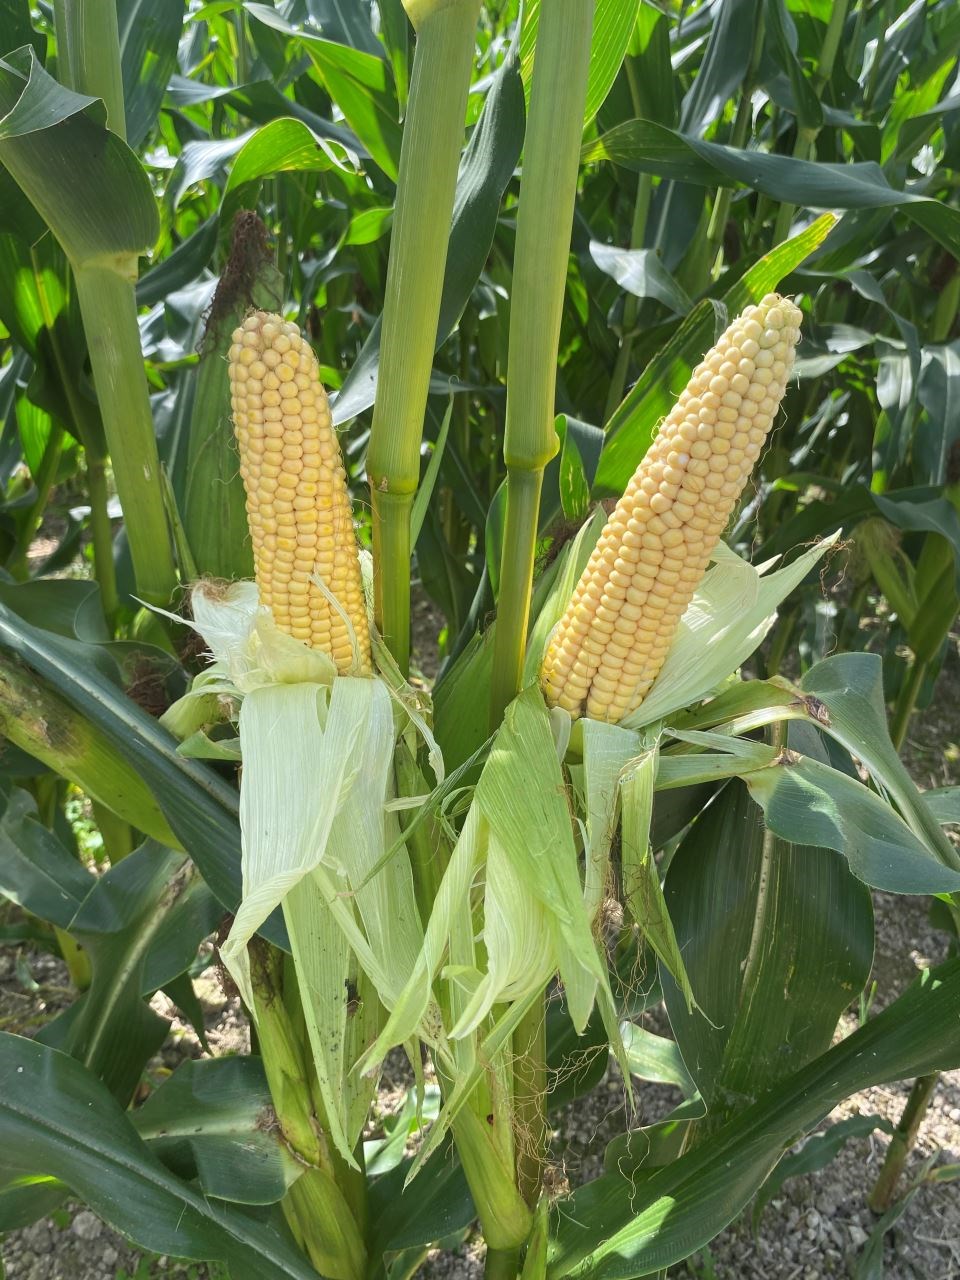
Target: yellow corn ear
[613, 638]
[298, 506]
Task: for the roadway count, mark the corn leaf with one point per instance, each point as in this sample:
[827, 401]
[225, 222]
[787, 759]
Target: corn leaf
[617, 1227]
[219, 1110]
[57, 1119]
[641, 877]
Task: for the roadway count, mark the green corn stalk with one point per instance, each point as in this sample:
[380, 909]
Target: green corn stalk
[321, 1206]
[102, 241]
[544, 220]
[429, 158]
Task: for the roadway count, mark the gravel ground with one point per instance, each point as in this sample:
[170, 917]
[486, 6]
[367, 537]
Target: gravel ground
[816, 1226]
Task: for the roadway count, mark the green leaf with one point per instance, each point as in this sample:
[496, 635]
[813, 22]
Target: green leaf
[613, 25]
[361, 86]
[383, 1154]
[435, 1205]
[805, 800]
[724, 64]
[110, 1028]
[656, 1058]
[651, 148]
[425, 491]
[200, 807]
[369, 225]
[817, 1152]
[631, 427]
[56, 1119]
[85, 182]
[777, 939]
[282, 146]
[944, 803]
[641, 876]
[149, 36]
[574, 486]
[642, 273]
[36, 871]
[806, 103]
[616, 1227]
[850, 687]
[216, 1116]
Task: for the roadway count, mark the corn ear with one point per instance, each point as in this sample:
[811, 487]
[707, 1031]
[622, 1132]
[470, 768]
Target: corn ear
[301, 522]
[618, 628]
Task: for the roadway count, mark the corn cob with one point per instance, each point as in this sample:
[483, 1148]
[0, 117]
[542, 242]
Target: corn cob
[298, 507]
[613, 638]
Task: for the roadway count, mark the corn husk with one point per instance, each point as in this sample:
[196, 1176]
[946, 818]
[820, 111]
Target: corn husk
[319, 836]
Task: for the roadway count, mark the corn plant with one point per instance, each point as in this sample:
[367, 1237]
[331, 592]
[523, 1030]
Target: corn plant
[590, 809]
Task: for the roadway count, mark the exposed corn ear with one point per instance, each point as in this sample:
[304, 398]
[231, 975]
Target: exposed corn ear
[298, 507]
[615, 634]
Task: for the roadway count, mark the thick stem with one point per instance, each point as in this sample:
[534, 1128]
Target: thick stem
[501, 1264]
[391, 569]
[316, 1208]
[548, 190]
[901, 1143]
[429, 159]
[516, 576]
[530, 1048]
[102, 534]
[88, 52]
[907, 701]
[109, 312]
[43, 483]
[631, 304]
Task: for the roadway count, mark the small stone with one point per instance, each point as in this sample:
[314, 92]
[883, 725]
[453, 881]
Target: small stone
[858, 1236]
[954, 1114]
[87, 1225]
[38, 1238]
[109, 1257]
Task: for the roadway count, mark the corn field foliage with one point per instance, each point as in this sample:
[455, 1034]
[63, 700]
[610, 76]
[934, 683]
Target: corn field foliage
[509, 233]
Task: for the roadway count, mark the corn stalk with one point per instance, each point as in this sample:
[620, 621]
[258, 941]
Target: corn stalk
[544, 220]
[429, 158]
